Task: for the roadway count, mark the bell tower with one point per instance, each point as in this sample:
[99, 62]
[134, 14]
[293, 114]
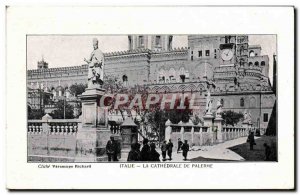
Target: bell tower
[152, 42]
[42, 64]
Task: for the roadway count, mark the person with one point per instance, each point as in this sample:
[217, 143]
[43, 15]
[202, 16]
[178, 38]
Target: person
[267, 152]
[96, 66]
[145, 150]
[133, 154]
[164, 150]
[179, 145]
[153, 155]
[185, 149]
[112, 149]
[118, 151]
[170, 148]
[137, 149]
[251, 140]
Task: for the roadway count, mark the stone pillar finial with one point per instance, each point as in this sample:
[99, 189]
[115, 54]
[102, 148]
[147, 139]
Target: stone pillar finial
[46, 117]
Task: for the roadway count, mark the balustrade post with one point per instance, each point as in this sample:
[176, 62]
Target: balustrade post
[209, 124]
[218, 123]
[201, 136]
[182, 133]
[192, 134]
[45, 124]
[168, 130]
[46, 129]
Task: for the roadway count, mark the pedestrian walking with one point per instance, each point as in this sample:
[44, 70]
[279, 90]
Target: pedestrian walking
[169, 149]
[112, 149]
[185, 149]
[164, 150]
[179, 145]
[251, 140]
[154, 155]
[133, 154]
[145, 150]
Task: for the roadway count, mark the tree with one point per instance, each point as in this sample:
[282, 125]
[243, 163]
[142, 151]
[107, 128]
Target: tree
[231, 117]
[154, 117]
[35, 113]
[77, 89]
[63, 108]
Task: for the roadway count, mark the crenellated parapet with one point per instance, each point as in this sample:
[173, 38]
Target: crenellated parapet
[173, 54]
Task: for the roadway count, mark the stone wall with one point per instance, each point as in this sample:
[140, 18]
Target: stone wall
[60, 146]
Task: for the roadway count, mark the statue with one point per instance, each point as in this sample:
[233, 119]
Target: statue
[95, 67]
[219, 109]
[208, 99]
[247, 117]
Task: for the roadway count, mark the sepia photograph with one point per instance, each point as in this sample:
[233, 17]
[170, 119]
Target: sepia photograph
[145, 98]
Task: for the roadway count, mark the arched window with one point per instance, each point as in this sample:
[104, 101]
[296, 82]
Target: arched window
[157, 41]
[161, 76]
[125, 78]
[141, 41]
[172, 74]
[256, 63]
[252, 102]
[250, 64]
[251, 53]
[182, 78]
[242, 102]
[263, 63]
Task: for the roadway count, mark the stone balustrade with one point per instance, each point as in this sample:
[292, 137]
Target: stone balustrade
[199, 135]
[53, 126]
[35, 126]
[229, 133]
[115, 129]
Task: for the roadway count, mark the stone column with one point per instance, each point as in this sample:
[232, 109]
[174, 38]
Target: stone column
[46, 130]
[209, 123]
[218, 123]
[168, 130]
[181, 130]
[192, 134]
[45, 124]
[94, 133]
[201, 136]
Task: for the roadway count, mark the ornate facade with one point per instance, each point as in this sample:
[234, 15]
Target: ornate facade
[239, 71]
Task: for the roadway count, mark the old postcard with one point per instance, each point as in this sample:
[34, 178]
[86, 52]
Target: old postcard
[208, 94]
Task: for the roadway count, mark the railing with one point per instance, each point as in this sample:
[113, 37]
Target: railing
[35, 126]
[230, 133]
[115, 129]
[53, 126]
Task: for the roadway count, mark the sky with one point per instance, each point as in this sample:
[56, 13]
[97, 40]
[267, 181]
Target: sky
[66, 50]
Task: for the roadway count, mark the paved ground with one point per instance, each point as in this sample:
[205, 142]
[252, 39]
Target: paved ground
[218, 152]
[232, 150]
[258, 154]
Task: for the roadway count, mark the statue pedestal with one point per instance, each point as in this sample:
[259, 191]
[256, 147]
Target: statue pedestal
[208, 122]
[94, 133]
[218, 123]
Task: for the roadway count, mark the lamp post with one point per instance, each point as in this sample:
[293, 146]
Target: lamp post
[65, 105]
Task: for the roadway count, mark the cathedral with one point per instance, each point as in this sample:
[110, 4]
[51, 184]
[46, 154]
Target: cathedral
[239, 71]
